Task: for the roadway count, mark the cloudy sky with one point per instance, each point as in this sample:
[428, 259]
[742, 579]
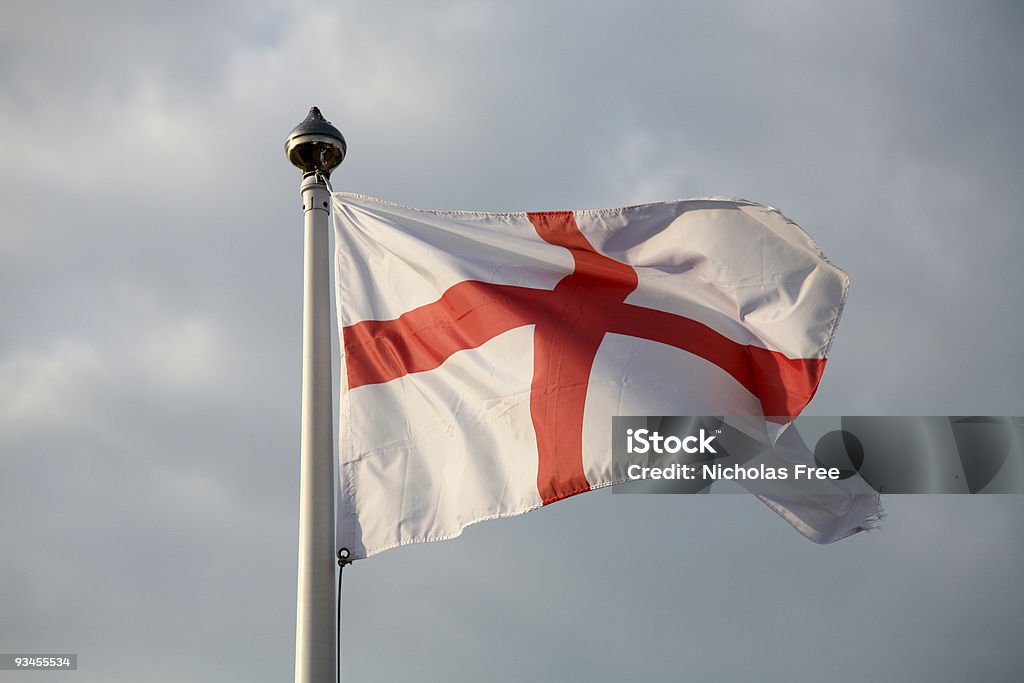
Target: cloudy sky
[150, 292]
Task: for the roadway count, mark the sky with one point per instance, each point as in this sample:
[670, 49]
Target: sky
[150, 326]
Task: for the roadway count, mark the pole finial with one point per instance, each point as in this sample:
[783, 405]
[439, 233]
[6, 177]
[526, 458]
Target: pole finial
[315, 146]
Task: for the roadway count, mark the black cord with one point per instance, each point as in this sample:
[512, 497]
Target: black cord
[343, 559]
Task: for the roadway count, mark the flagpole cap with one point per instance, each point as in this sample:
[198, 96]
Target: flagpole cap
[315, 146]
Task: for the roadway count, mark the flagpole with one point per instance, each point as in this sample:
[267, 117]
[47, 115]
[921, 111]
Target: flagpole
[316, 148]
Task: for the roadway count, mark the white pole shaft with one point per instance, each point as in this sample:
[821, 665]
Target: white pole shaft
[315, 627]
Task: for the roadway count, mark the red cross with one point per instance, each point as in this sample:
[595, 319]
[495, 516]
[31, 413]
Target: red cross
[569, 323]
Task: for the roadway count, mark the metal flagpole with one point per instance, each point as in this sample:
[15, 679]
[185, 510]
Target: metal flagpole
[316, 148]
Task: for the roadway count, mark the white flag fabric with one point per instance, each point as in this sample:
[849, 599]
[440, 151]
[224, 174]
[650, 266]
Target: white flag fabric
[486, 353]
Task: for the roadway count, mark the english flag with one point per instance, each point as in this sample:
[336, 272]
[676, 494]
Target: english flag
[486, 353]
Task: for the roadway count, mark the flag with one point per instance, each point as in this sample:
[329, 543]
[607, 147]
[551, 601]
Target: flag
[484, 354]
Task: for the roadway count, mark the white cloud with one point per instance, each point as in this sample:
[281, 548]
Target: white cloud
[191, 355]
[50, 388]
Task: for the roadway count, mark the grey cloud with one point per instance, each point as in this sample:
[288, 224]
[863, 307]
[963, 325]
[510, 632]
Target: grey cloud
[150, 295]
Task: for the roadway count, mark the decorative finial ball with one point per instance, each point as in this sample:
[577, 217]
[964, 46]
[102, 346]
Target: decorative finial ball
[315, 146]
